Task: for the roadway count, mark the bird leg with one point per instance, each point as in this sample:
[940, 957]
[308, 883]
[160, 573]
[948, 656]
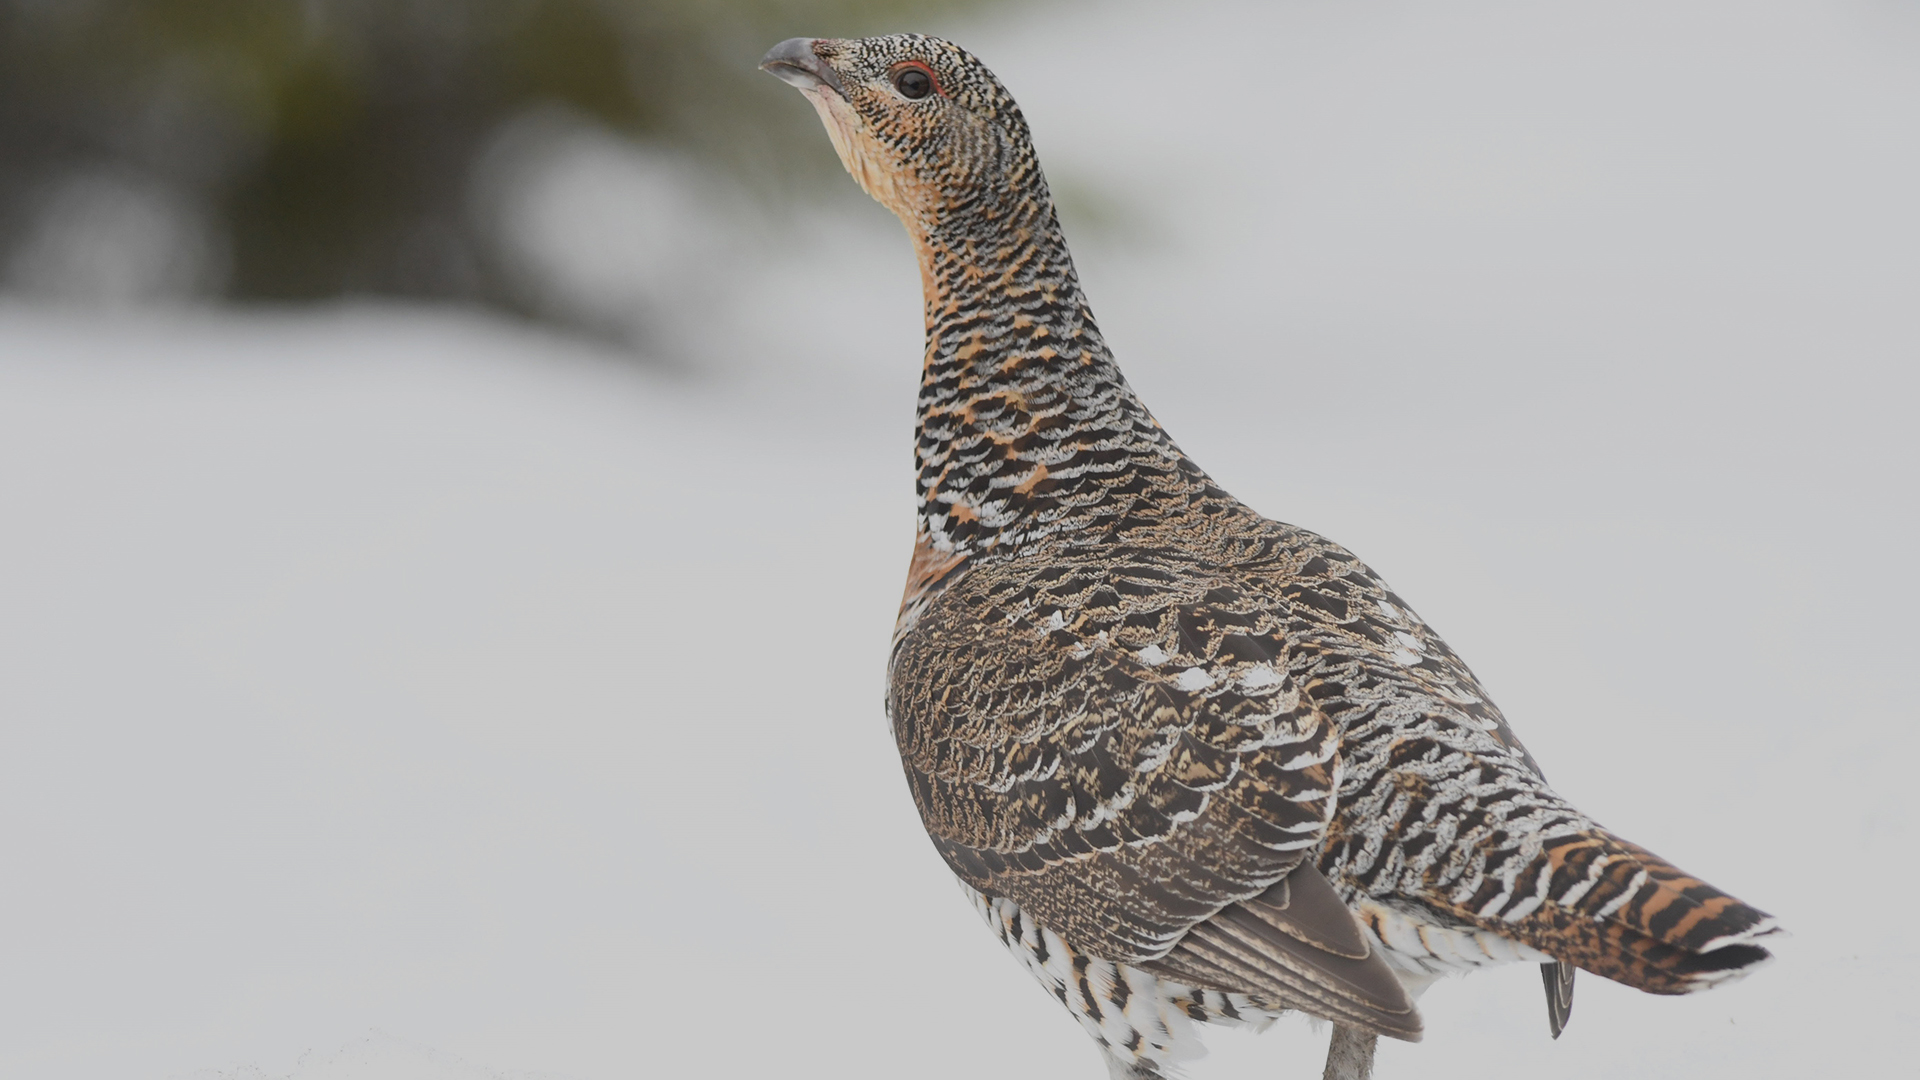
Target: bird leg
[1350, 1054]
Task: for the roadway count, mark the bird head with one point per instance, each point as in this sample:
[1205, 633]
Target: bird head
[920, 124]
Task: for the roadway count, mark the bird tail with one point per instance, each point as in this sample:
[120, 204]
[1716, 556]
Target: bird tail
[1623, 913]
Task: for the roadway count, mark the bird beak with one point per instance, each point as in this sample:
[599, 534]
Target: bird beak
[793, 61]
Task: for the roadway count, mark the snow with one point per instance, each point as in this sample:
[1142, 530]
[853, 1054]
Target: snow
[376, 1056]
[374, 669]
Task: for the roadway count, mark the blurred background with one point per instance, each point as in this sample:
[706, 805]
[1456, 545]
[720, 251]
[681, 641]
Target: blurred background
[455, 483]
[456, 150]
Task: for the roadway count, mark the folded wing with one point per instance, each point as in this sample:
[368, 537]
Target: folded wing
[1296, 946]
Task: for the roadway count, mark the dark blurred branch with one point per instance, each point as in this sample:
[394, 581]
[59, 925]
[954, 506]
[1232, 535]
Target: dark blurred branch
[327, 146]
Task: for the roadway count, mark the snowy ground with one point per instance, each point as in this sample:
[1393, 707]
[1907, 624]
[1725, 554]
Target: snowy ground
[396, 694]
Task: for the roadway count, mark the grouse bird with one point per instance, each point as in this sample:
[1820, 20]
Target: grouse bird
[1189, 763]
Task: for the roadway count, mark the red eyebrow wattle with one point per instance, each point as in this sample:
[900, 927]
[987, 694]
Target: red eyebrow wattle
[923, 69]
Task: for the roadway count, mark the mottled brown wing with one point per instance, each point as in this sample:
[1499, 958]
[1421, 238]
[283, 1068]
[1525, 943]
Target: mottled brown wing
[1121, 773]
[1296, 946]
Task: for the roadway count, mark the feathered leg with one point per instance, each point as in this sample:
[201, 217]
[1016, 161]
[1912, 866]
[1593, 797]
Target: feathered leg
[1123, 1069]
[1350, 1054]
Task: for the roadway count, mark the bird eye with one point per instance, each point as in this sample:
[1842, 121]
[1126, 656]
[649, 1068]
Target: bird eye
[913, 82]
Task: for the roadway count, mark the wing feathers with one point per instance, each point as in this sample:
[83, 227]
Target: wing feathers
[1296, 946]
[1312, 913]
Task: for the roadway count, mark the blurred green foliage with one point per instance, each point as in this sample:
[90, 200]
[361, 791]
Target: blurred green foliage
[329, 143]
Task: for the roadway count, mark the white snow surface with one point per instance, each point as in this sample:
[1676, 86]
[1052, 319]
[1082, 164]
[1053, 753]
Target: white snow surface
[377, 669]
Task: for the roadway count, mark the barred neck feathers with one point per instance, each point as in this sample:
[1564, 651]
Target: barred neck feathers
[1026, 426]
[1027, 429]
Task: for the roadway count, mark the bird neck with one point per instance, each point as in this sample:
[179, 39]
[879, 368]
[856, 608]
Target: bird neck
[1026, 426]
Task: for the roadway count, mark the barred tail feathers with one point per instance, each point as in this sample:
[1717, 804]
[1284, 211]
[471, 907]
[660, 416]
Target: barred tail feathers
[1623, 913]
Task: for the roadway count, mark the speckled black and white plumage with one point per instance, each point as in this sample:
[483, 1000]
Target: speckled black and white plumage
[1131, 709]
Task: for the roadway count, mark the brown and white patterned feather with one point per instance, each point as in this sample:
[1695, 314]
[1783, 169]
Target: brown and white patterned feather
[1174, 749]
